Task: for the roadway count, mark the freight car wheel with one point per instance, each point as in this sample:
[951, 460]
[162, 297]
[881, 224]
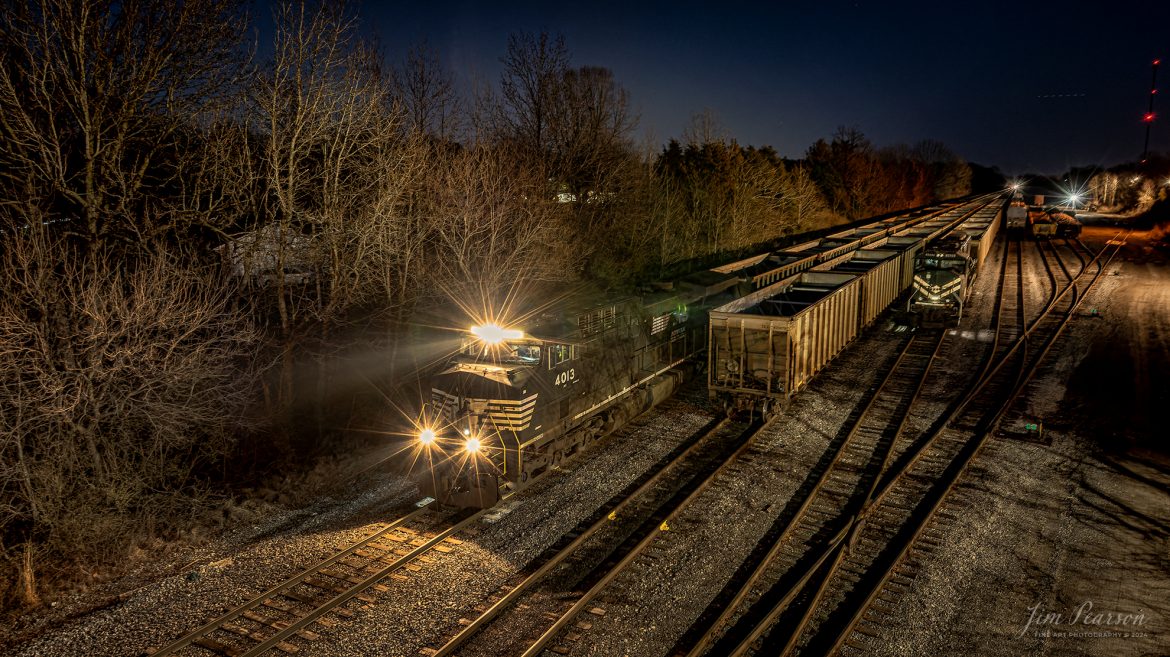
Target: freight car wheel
[766, 410]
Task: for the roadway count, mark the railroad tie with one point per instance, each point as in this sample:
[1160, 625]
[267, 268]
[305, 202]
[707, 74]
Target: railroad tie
[335, 574]
[903, 580]
[857, 645]
[243, 631]
[216, 646]
[861, 629]
[278, 605]
[302, 598]
[326, 586]
[278, 624]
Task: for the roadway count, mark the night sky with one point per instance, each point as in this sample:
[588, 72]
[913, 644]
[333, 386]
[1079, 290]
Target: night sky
[1029, 87]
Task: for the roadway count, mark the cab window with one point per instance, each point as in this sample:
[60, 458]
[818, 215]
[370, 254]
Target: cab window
[559, 353]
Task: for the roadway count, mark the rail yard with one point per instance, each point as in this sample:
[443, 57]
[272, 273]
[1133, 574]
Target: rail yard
[839, 480]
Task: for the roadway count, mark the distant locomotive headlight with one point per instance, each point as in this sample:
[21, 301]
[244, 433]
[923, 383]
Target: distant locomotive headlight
[494, 334]
[426, 436]
[471, 445]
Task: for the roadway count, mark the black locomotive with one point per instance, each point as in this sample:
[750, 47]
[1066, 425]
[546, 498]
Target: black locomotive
[511, 404]
[943, 273]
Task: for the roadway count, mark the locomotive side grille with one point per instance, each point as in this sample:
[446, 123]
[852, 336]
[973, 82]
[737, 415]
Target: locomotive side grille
[597, 321]
[659, 324]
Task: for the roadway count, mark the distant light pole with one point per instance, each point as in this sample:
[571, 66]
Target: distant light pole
[1149, 117]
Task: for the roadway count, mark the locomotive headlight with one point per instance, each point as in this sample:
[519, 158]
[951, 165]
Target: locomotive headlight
[494, 334]
[471, 445]
[426, 437]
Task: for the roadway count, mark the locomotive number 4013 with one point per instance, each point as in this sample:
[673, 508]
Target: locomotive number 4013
[566, 376]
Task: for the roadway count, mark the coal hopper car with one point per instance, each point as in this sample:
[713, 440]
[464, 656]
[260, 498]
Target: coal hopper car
[765, 347]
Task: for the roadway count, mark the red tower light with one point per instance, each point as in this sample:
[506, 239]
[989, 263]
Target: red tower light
[1149, 117]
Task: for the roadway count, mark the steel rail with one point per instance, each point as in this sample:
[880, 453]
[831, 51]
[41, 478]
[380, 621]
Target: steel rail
[762, 566]
[979, 443]
[531, 580]
[876, 499]
[286, 585]
[365, 584]
[536, 647]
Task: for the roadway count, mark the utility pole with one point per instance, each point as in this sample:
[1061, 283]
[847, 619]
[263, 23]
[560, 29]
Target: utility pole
[1149, 117]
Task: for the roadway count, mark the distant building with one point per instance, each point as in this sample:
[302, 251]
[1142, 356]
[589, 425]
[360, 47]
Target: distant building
[254, 256]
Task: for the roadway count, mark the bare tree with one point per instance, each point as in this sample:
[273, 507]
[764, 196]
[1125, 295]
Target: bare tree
[427, 91]
[98, 122]
[847, 172]
[534, 67]
[120, 382]
[704, 128]
[491, 225]
[950, 175]
[588, 133]
[319, 110]
[802, 201]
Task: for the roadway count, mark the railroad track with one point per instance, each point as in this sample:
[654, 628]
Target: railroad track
[833, 492]
[937, 511]
[614, 522]
[867, 565]
[637, 543]
[581, 580]
[285, 616]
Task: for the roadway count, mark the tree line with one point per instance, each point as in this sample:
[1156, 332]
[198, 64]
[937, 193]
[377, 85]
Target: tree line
[190, 234]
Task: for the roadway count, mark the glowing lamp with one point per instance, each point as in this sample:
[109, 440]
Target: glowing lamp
[471, 445]
[493, 334]
[426, 436]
